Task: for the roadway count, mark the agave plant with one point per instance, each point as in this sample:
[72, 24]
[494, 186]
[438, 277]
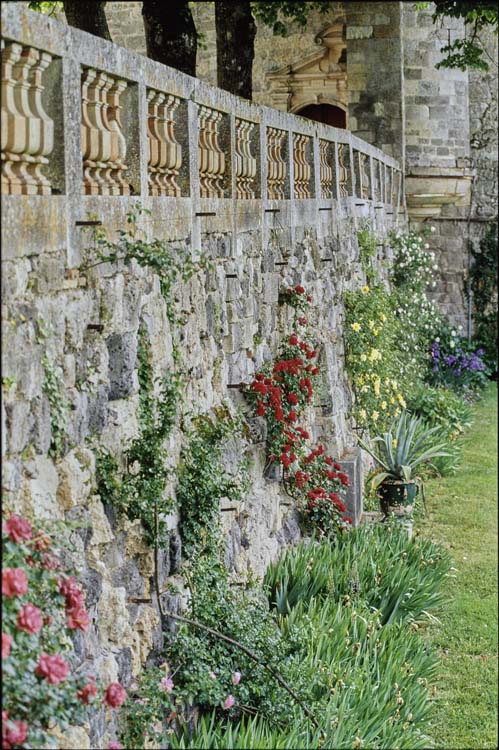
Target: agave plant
[407, 445]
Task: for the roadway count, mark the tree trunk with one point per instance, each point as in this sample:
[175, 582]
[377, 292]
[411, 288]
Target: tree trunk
[171, 35]
[236, 30]
[87, 15]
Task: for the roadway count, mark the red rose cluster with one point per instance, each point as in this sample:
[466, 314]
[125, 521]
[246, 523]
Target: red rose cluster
[281, 395]
[25, 547]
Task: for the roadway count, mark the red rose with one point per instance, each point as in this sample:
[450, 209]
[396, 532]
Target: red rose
[343, 479]
[329, 460]
[260, 409]
[299, 289]
[14, 582]
[50, 562]
[15, 733]
[29, 618]
[87, 691]
[78, 618]
[302, 321]
[347, 519]
[316, 370]
[42, 542]
[54, 668]
[6, 644]
[18, 528]
[115, 695]
[309, 298]
[292, 398]
[292, 416]
[70, 589]
[341, 506]
[278, 414]
[293, 339]
[337, 467]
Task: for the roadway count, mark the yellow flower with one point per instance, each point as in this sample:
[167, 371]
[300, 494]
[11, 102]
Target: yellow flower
[392, 400]
[365, 289]
[394, 442]
[355, 327]
[363, 414]
[360, 379]
[375, 416]
[374, 355]
[384, 405]
[375, 331]
[371, 324]
[383, 317]
[377, 383]
[401, 400]
[363, 357]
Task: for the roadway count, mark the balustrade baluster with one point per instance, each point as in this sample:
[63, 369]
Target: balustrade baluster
[27, 131]
[211, 156]
[326, 170]
[276, 165]
[301, 166]
[245, 162]
[343, 169]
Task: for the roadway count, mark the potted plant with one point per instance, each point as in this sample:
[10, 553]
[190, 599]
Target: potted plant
[402, 454]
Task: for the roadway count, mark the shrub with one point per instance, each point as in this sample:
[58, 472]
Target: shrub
[455, 366]
[484, 288]
[42, 606]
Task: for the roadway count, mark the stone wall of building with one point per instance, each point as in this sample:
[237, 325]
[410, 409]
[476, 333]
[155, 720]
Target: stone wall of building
[72, 319]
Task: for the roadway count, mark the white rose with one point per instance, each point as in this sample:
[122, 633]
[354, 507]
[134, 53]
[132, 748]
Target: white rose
[433, 229]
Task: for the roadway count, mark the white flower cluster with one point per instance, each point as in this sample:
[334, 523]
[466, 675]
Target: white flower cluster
[413, 262]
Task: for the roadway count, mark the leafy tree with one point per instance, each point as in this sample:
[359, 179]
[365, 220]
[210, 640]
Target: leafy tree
[88, 15]
[236, 31]
[171, 36]
[478, 15]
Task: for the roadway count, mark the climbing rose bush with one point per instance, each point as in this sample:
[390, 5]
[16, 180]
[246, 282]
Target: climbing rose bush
[42, 605]
[280, 393]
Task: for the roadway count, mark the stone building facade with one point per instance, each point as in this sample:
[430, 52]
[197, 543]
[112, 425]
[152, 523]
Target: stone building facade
[376, 62]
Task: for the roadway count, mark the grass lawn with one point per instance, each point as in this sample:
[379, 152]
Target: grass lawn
[463, 517]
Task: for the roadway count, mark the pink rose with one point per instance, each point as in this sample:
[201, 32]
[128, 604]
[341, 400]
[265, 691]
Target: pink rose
[87, 691]
[54, 668]
[78, 618]
[29, 618]
[14, 582]
[166, 685]
[69, 588]
[229, 702]
[15, 733]
[18, 528]
[115, 745]
[236, 678]
[6, 644]
[115, 695]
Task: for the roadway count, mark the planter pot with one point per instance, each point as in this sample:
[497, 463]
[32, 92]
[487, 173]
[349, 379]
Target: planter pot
[397, 497]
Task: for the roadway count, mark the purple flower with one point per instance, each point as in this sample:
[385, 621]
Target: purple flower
[236, 678]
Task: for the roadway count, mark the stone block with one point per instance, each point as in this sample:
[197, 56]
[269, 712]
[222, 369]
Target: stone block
[76, 473]
[352, 466]
[122, 349]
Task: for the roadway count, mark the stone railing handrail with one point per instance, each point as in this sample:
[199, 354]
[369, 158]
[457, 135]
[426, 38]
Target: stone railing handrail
[85, 117]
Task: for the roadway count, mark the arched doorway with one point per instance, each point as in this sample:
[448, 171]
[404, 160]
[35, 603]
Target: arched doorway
[326, 113]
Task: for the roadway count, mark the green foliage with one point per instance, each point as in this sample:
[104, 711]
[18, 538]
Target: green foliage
[203, 480]
[399, 577]
[48, 8]
[293, 11]
[145, 715]
[139, 490]
[364, 681]
[405, 450]
[374, 361]
[53, 387]
[368, 245]
[483, 275]
[205, 665]
[478, 15]
[170, 264]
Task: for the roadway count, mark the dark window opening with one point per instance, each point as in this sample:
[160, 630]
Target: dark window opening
[326, 113]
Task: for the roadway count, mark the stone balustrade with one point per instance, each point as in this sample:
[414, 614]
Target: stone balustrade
[147, 130]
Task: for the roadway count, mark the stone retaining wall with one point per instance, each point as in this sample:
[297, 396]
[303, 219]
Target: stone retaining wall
[110, 130]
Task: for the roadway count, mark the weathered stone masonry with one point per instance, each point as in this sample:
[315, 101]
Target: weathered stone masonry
[272, 199]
